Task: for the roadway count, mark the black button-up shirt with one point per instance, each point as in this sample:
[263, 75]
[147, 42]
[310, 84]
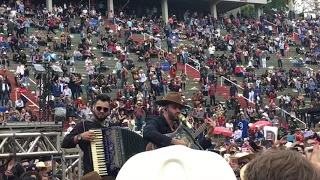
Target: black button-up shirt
[85, 146]
[155, 129]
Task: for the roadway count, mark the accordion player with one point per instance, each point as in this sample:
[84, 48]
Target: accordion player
[112, 147]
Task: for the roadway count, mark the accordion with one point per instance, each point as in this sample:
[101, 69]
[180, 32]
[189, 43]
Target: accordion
[112, 147]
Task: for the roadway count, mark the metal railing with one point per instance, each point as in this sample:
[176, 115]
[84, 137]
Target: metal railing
[33, 103]
[276, 30]
[116, 24]
[145, 35]
[277, 107]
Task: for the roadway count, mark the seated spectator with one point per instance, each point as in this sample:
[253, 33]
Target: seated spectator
[19, 104]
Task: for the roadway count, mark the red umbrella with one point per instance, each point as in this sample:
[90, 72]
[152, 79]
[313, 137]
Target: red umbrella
[260, 124]
[222, 130]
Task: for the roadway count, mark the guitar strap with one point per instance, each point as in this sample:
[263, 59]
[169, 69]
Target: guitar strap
[190, 135]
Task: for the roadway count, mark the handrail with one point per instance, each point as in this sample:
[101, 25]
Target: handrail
[144, 38]
[32, 81]
[273, 24]
[293, 34]
[197, 63]
[277, 107]
[223, 78]
[16, 94]
[116, 25]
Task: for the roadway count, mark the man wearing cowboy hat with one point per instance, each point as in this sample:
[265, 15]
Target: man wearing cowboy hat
[157, 126]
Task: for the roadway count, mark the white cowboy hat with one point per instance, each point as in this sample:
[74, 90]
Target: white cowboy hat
[177, 163]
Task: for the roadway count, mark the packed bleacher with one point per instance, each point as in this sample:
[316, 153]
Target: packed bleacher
[98, 55]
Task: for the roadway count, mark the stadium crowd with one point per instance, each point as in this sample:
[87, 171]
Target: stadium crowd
[194, 39]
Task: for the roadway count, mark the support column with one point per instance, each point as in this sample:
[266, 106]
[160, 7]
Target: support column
[49, 5]
[165, 11]
[213, 10]
[110, 6]
[291, 6]
[258, 11]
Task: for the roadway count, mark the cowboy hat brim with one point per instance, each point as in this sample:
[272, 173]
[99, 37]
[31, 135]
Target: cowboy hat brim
[166, 102]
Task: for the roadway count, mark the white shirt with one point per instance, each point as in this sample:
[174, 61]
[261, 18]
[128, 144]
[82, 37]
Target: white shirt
[143, 78]
[67, 92]
[51, 98]
[229, 126]
[88, 61]
[212, 49]
[19, 103]
[4, 87]
[238, 134]
[20, 69]
[69, 129]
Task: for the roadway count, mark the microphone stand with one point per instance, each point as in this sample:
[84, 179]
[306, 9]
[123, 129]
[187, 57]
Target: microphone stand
[190, 135]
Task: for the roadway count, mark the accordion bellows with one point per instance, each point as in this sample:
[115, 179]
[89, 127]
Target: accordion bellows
[113, 147]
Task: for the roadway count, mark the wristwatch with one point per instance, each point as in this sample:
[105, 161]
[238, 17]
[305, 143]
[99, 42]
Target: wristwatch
[79, 137]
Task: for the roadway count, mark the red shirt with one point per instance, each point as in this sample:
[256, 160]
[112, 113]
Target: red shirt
[51, 23]
[172, 73]
[79, 102]
[211, 91]
[164, 82]
[299, 138]
[221, 120]
[22, 90]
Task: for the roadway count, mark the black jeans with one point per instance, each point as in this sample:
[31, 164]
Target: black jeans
[212, 100]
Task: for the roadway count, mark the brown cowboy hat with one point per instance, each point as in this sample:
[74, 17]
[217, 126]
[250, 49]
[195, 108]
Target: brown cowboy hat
[171, 98]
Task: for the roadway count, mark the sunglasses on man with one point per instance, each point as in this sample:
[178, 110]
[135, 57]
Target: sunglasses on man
[104, 109]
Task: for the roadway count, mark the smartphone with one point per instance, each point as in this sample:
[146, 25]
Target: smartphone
[266, 143]
[244, 149]
[254, 145]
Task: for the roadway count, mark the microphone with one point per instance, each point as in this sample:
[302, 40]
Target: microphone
[184, 121]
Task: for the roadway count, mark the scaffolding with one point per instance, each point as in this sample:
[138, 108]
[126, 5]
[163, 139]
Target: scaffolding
[26, 145]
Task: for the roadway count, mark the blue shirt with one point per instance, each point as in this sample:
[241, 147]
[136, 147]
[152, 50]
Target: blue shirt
[129, 23]
[244, 127]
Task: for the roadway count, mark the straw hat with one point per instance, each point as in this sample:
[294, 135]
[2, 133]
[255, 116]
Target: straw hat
[171, 98]
[41, 165]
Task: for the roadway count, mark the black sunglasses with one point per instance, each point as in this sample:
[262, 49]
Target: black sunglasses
[105, 109]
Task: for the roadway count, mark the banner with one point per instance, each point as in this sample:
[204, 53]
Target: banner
[271, 133]
[93, 22]
[165, 66]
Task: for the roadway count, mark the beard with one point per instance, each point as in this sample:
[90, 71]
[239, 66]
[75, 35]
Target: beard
[99, 118]
[172, 116]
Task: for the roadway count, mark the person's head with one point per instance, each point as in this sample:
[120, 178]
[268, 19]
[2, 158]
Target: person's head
[25, 164]
[277, 164]
[172, 104]
[172, 111]
[101, 107]
[31, 175]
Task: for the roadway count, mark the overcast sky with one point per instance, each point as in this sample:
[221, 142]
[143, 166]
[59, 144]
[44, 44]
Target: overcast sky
[303, 5]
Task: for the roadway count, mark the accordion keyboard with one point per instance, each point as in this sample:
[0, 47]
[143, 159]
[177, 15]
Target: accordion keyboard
[98, 154]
